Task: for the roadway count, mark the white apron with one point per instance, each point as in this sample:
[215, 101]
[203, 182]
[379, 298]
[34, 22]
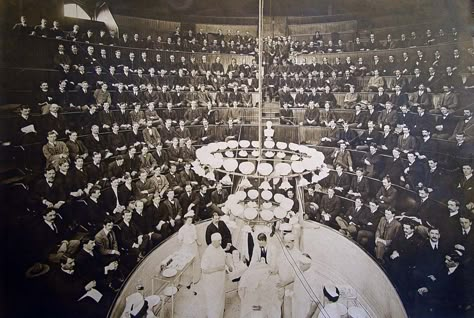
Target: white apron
[213, 284]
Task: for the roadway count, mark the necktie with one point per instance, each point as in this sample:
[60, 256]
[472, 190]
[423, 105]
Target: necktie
[110, 240]
[55, 229]
[263, 254]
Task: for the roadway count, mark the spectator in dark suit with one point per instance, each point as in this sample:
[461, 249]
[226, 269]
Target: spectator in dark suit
[413, 172]
[156, 220]
[387, 194]
[399, 98]
[330, 208]
[429, 261]
[423, 120]
[340, 181]
[50, 238]
[405, 118]
[131, 240]
[144, 225]
[368, 226]
[372, 162]
[445, 124]
[90, 266]
[350, 222]
[359, 187]
[96, 171]
[218, 226]
[369, 136]
[172, 211]
[401, 256]
[420, 99]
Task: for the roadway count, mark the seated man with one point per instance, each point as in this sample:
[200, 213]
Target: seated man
[375, 82]
[387, 194]
[359, 187]
[151, 136]
[69, 289]
[330, 208]
[231, 132]
[350, 222]
[206, 134]
[312, 201]
[144, 224]
[106, 241]
[54, 150]
[379, 99]
[340, 181]
[25, 127]
[132, 241]
[143, 188]
[218, 198]
[188, 176]
[50, 240]
[401, 256]
[387, 230]
[286, 116]
[445, 124]
[369, 136]
[349, 136]
[342, 156]
[388, 116]
[91, 266]
[330, 140]
[449, 99]
[218, 226]
[311, 115]
[201, 203]
[171, 211]
[193, 116]
[174, 179]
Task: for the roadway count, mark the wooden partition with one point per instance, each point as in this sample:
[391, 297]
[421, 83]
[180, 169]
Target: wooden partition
[213, 28]
[374, 290]
[446, 49]
[144, 26]
[328, 27]
[397, 30]
[345, 36]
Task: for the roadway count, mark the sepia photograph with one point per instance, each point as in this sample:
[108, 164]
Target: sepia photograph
[237, 159]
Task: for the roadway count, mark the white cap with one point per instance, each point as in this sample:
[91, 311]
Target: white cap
[289, 237]
[134, 303]
[304, 259]
[286, 227]
[190, 214]
[331, 292]
[216, 237]
[357, 312]
[153, 300]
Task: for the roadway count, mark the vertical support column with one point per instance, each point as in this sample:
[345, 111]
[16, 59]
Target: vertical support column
[260, 76]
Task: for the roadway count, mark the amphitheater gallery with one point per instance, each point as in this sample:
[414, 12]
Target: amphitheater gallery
[251, 159]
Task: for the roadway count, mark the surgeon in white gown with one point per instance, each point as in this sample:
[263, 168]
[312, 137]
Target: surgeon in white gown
[213, 265]
[306, 290]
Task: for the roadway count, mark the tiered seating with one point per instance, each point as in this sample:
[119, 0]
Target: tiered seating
[39, 55]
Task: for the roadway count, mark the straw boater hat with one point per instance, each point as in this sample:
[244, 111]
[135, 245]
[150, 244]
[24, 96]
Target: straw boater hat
[37, 270]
